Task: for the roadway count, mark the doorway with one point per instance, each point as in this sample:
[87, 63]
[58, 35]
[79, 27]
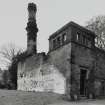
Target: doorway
[83, 82]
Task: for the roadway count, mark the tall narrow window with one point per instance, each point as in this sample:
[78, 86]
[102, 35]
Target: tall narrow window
[58, 41]
[78, 36]
[84, 40]
[89, 43]
[64, 37]
[54, 43]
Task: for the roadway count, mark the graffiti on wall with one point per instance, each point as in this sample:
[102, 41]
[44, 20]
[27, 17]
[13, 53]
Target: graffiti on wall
[49, 81]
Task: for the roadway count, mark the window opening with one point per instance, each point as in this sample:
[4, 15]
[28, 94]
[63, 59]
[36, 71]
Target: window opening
[54, 43]
[78, 36]
[58, 41]
[64, 37]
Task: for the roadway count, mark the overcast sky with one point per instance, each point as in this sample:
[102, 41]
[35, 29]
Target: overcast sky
[51, 15]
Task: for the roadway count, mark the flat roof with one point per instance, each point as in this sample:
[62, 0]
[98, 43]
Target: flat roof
[71, 23]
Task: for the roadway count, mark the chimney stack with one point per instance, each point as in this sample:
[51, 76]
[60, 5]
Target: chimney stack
[32, 29]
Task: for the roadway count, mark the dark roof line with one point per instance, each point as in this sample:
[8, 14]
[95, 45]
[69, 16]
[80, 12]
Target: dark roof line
[71, 23]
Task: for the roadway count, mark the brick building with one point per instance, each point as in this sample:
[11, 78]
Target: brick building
[73, 65]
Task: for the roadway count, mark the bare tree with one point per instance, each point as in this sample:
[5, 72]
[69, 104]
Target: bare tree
[97, 25]
[8, 52]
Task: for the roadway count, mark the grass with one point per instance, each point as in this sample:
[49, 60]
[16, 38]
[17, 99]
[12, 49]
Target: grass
[12, 97]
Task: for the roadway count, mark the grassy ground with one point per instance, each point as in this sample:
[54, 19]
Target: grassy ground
[83, 102]
[12, 97]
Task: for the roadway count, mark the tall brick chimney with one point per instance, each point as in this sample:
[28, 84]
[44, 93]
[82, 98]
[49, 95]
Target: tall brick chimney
[32, 29]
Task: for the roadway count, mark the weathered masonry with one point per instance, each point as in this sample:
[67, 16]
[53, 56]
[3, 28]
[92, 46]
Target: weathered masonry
[73, 65]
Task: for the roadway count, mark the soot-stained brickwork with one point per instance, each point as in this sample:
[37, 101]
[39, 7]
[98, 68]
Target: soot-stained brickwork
[73, 65]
